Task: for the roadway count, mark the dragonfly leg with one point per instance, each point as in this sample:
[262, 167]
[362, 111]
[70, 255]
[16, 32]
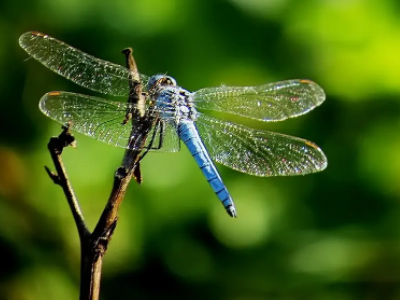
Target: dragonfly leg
[128, 116]
[159, 128]
[161, 138]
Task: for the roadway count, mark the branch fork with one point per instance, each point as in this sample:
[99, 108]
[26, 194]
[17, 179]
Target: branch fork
[94, 244]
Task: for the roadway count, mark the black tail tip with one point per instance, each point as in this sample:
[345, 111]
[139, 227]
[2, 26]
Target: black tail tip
[231, 210]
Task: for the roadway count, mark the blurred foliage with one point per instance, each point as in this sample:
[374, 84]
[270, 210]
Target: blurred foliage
[331, 235]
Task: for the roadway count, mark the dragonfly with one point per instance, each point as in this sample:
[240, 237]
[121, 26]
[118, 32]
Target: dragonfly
[184, 116]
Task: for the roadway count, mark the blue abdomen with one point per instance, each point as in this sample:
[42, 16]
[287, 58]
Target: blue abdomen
[188, 133]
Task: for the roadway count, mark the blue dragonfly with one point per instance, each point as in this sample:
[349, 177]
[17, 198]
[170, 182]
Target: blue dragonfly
[184, 116]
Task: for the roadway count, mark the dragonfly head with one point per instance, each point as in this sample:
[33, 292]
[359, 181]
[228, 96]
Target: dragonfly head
[160, 80]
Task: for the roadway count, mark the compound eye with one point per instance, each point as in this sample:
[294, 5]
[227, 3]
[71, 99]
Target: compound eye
[169, 81]
[154, 80]
[161, 80]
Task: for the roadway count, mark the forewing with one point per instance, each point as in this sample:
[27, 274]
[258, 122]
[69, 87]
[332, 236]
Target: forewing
[79, 67]
[98, 118]
[257, 152]
[270, 102]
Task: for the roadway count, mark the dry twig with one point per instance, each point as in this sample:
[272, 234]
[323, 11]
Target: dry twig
[94, 244]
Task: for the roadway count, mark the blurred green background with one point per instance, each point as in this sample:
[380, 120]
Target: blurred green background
[331, 235]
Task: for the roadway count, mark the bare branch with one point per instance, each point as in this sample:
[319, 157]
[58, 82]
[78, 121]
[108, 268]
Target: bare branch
[55, 147]
[94, 249]
[94, 245]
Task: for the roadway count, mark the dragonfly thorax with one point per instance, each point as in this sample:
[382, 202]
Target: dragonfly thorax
[170, 100]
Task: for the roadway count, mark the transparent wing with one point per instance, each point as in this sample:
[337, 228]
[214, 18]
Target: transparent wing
[260, 153]
[101, 119]
[270, 102]
[79, 67]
